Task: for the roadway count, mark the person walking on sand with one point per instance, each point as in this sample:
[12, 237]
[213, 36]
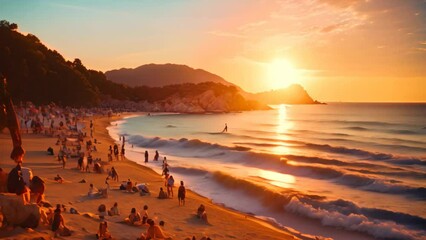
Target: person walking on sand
[64, 162]
[226, 128]
[146, 156]
[181, 194]
[165, 163]
[114, 174]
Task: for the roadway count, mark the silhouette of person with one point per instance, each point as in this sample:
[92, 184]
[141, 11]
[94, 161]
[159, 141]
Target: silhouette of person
[226, 128]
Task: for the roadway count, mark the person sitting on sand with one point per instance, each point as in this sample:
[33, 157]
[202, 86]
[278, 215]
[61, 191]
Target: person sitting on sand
[58, 223]
[16, 184]
[129, 185]
[50, 151]
[134, 218]
[114, 210]
[103, 232]
[93, 192]
[144, 214]
[201, 213]
[162, 194]
[153, 232]
[37, 188]
[46, 216]
[143, 188]
[59, 179]
[97, 168]
[102, 212]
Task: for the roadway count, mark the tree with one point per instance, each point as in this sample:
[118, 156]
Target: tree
[7, 24]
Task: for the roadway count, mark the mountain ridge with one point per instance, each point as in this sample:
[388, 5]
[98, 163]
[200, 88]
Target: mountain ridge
[159, 75]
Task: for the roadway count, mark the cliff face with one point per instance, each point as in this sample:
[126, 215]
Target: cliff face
[208, 101]
[294, 94]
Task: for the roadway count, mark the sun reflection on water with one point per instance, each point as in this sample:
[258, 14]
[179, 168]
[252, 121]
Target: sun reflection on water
[277, 179]
[283, 127]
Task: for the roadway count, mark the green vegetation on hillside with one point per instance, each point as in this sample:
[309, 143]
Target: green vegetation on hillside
[41, 75]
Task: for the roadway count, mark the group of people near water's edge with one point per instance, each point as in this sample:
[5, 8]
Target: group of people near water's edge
[55, 218]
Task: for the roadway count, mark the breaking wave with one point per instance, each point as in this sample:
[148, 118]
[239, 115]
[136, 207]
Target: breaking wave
[339, 213]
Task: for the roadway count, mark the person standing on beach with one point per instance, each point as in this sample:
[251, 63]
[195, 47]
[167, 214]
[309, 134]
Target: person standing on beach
[156, 156]
[116, 152]
[170, 185]
[146, 156]
[122, 152]
[91, 129]
[64, 161]
[181, 194]
[165, 163]
[110, 154]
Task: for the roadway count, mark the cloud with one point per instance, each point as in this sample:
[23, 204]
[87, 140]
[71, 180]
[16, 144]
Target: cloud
[343, 3]
[333, 27]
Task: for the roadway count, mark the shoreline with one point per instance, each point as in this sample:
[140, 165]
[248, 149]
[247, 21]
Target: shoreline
[297, 225]
[268, 224]
[224, 223]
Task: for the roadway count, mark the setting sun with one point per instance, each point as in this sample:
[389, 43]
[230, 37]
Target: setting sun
[281, 74]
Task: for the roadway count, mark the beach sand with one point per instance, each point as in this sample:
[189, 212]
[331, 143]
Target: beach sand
[180, 221]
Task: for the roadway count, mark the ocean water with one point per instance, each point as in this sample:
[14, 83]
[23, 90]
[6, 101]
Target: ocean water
[341, 170]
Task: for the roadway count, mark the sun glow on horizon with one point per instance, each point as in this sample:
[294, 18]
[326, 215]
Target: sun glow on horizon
[282, 73]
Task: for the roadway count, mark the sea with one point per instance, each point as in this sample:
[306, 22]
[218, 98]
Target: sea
[336, 170]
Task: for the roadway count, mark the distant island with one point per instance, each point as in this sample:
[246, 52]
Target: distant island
[41, 75]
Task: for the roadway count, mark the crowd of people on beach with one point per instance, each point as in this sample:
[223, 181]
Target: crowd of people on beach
[142, 218]
[63, 123]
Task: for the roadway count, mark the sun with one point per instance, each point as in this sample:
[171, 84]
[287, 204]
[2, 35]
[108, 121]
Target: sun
[282, 73]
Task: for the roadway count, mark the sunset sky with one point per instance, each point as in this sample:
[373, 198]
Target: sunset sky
[353, 50]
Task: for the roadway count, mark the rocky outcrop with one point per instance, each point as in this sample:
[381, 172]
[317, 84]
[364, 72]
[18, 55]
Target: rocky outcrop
[207, 101]
[15, 213]
[294, 94]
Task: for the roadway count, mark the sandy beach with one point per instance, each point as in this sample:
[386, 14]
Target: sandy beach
[180, 221]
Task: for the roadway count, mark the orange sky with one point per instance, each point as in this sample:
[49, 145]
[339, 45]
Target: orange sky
[354, 50]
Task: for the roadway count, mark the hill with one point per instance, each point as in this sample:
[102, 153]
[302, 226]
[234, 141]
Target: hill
[41, 75]
[158, 75]
[294, 94]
